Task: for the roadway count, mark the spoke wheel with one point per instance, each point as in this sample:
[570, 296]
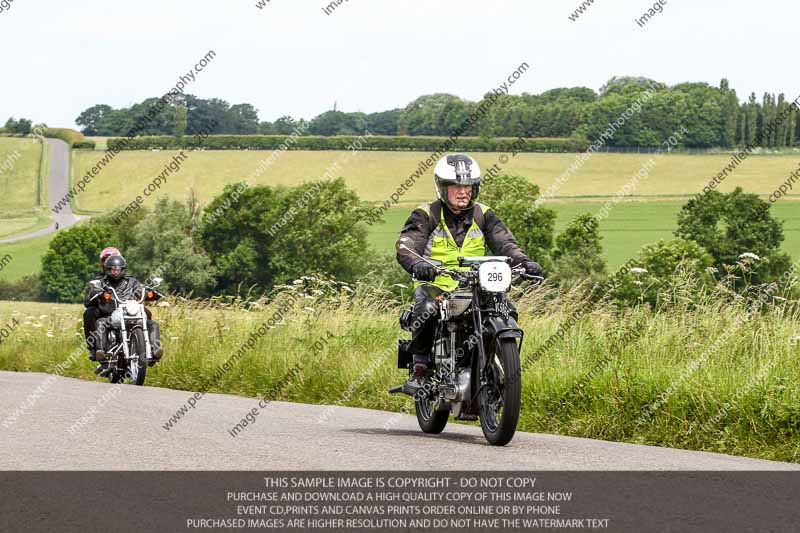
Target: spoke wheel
[429, 418]
[500, 397]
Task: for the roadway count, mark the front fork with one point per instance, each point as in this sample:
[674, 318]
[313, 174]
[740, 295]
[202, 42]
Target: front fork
[477, 325]
[145, 330]
[124, 332]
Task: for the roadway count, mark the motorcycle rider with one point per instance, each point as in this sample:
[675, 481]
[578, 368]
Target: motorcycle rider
[127, 288]
[92, 313]
[452, 226]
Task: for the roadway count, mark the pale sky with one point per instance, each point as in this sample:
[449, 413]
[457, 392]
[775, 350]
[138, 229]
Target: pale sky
[58, 58]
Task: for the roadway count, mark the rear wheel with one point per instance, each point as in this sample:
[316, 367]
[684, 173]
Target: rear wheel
[500, 398]
[430, 419]
[137, 366]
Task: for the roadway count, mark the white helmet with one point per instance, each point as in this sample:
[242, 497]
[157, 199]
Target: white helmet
[457, 169]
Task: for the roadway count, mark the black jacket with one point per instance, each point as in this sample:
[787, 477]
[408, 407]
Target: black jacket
[498, 237]
[127, 288]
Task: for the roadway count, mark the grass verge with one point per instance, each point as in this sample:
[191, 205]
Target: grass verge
[715, 377]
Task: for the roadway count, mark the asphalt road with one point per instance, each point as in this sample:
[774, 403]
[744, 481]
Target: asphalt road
[57, 187]
[285, 436]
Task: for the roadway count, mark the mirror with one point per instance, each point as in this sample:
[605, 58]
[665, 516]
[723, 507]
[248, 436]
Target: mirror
[96, 283]
[157, 281]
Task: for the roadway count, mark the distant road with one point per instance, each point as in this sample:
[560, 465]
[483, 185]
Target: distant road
[285, 436]
[57, 186]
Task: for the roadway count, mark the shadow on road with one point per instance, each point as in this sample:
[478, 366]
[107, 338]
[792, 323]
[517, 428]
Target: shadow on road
[455, 437]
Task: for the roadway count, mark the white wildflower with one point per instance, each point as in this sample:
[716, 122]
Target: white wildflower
[639, 270]
[298, 282]
[751, 256]
[348, 289]
[50, 334]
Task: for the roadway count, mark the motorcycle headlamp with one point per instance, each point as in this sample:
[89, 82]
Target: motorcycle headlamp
[132, 308]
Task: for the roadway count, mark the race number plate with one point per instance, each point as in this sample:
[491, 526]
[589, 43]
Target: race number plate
[495, 276]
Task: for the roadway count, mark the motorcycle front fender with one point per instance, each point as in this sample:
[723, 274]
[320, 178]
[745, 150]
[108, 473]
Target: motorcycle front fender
[496, 328]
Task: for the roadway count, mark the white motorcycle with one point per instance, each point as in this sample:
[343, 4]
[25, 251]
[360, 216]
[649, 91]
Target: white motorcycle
[129, 348]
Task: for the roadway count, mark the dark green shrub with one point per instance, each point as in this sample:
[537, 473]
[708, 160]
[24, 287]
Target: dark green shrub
[578, 255]
[86, 144]
[658, 266]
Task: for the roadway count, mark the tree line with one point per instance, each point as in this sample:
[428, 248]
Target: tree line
[714, 116]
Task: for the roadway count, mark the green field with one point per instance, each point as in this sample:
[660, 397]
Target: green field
[629, 226]
[375, 175]
[26, 257]
[20, 196]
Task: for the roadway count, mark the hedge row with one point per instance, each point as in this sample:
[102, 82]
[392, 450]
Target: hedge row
[65, 134]
[85, 144]
[383, 143]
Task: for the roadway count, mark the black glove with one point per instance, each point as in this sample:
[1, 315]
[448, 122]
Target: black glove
[424, 272]
[532, 268]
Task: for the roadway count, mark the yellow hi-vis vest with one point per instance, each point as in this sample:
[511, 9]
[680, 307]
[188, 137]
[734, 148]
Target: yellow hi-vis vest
[442, 247]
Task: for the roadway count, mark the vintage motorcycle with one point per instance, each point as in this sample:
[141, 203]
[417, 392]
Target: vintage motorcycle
[129, 349]
[476, 361]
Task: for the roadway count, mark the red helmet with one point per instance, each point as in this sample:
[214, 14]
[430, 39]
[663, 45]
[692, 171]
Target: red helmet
[105, 254]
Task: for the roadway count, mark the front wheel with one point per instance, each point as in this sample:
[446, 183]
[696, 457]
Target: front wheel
[500, 398]
[137, 366]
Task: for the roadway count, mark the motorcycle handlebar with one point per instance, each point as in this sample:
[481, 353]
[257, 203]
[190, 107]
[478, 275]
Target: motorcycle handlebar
[465, 275]
[145, 290]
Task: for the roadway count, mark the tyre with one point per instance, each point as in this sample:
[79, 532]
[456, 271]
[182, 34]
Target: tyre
[501, 397]
[430, 419]
[137, 366]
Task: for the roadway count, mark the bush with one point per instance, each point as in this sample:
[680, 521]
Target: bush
[383, 143]
[729, 225]
[578, 254]
[84, 145]
[658, 266]
[71, 259]
[271, 235]
[513, 199]
[164, 245]
[27, 289]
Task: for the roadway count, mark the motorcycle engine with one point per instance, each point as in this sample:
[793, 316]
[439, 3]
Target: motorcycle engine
[458, 387]
[116, 318]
